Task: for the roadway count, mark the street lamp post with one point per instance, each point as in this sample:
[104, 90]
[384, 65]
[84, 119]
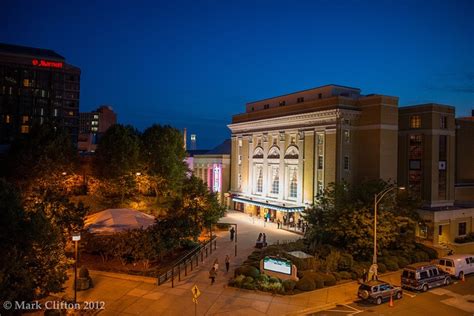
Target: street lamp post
[75, 237]
[378, 197]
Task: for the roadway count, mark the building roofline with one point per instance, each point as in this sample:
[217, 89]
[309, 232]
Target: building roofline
[425, 104]
[11, 49]
[314, 88]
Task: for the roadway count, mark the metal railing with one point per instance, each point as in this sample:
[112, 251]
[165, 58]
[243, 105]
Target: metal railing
[191, 260]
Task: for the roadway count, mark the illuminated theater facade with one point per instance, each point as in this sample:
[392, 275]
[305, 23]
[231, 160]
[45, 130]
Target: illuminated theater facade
[286, 150]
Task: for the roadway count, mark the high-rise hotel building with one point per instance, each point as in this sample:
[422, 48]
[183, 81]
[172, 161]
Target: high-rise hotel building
[287, 149]
[36, 86]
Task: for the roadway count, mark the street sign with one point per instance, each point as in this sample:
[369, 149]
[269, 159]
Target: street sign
[196, 292]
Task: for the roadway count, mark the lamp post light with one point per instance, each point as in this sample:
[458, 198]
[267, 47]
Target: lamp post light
[75, 237]
[378, 197]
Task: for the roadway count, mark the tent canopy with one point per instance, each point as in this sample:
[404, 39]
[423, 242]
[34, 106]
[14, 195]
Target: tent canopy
[116, 220]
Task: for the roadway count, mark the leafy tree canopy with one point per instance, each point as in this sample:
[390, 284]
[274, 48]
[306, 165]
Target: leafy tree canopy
[344, 217]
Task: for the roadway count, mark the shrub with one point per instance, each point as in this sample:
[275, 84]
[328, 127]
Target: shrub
[332, 260]
[328, 279]
[306, 284]
[402, 262]
[84, 272]
[382, 268]
[275, 287]
[391, 264]
[247, 271]
[248, 279]
[344, 275]
[273, 280]
[421, 256]
[432, 253]
[345, 262]
[238, 280]
[289, 285]
[461, 240]
[263, 278]
[249, 286]
[336, 275]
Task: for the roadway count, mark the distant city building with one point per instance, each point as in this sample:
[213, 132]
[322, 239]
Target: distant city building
[426, 151]
[213, 167]
[93, 125]
[36, 86]
[286, 150]
[193, 141]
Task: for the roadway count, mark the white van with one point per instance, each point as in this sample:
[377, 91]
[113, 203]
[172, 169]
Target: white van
[457, 265]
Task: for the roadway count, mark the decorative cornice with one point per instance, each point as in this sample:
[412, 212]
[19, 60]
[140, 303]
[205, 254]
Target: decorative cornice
[292, 121]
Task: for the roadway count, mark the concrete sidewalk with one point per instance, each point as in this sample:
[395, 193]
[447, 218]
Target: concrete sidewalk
[131, 295]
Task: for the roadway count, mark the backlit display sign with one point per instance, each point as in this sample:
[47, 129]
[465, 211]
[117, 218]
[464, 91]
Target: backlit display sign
[217, 178]
[46, 63]
[277, 265]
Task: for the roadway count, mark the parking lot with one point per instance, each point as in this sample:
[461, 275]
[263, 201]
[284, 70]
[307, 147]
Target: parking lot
[455, 299]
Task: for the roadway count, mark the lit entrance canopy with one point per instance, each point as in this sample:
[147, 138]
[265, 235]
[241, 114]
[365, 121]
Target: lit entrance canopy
[281, 208]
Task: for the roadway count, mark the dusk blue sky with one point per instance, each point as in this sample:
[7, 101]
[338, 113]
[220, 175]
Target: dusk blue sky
[195, 64]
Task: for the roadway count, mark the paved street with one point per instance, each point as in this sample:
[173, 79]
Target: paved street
[456, 299]
[133, 295]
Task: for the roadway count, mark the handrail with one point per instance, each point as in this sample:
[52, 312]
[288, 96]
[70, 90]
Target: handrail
[191, 256]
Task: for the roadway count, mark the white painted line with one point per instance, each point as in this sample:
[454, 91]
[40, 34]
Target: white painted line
[338, 311]
[353, 308]
[410, 295]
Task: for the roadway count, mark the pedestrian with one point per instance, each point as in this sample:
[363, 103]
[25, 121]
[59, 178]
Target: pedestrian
[285, 218]
[364, 276]
[259, 237]
[264, 240]
[216, 265]
[212, 275]
[227, 263]
[278, 223]
[232, 233]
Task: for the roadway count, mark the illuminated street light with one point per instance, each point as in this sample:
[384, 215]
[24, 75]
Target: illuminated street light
[138, 174]
[64, 173]
[378, 197]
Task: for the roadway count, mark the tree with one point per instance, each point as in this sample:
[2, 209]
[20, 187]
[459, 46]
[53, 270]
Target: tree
[117, 160]
[343, 217]
[45, 151]
[163, 155]
[33, 262]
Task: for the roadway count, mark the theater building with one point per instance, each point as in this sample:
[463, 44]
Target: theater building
[36, 86]
[287, 149]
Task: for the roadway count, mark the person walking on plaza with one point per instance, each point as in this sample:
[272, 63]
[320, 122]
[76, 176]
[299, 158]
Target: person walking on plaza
[364, 276]
[216, 265]
[278, 223]
[212, 275]
[264, 240]
[232, 233]
[227, 263]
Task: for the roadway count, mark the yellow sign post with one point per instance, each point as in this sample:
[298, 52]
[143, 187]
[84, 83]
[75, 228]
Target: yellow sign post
[196, 294]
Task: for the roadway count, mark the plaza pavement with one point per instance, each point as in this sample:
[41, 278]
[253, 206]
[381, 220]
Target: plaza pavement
[134, 295]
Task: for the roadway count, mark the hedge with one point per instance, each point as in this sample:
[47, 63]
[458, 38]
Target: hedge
[382, 268]
[306, 284]
[289, 285]
[247, 271]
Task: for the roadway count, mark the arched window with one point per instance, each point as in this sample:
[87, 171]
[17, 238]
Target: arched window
[292, 152]
[274, 153]
[258, 153]
[275, 189]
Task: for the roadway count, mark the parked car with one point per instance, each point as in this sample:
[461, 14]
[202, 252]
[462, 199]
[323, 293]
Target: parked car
[378, 291]
[423, 276]
[456, 265]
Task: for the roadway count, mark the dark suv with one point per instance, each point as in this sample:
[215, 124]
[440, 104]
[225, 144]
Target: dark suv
[378, 291]
[423, 276]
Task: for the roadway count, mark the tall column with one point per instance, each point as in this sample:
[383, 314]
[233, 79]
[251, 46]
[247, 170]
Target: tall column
[300, 142]
[265, 165]
[282, 185]
[249, 154]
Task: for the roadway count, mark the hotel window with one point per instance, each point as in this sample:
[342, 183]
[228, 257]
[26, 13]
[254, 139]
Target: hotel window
[415, 155]
[415, 121]
[462, 229]
[252, 109]
[259, 184]
[275, 180]
[282, 103]
[320, 96]
[443, 122]
[266, 106]
[300, 100]
[55, 112]
[25, 129]
[24, 119]
[7, 119]
[347, 136]
[293, 181]
[346, 163]
[26, 82]
[320, 162]
[71, 113]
